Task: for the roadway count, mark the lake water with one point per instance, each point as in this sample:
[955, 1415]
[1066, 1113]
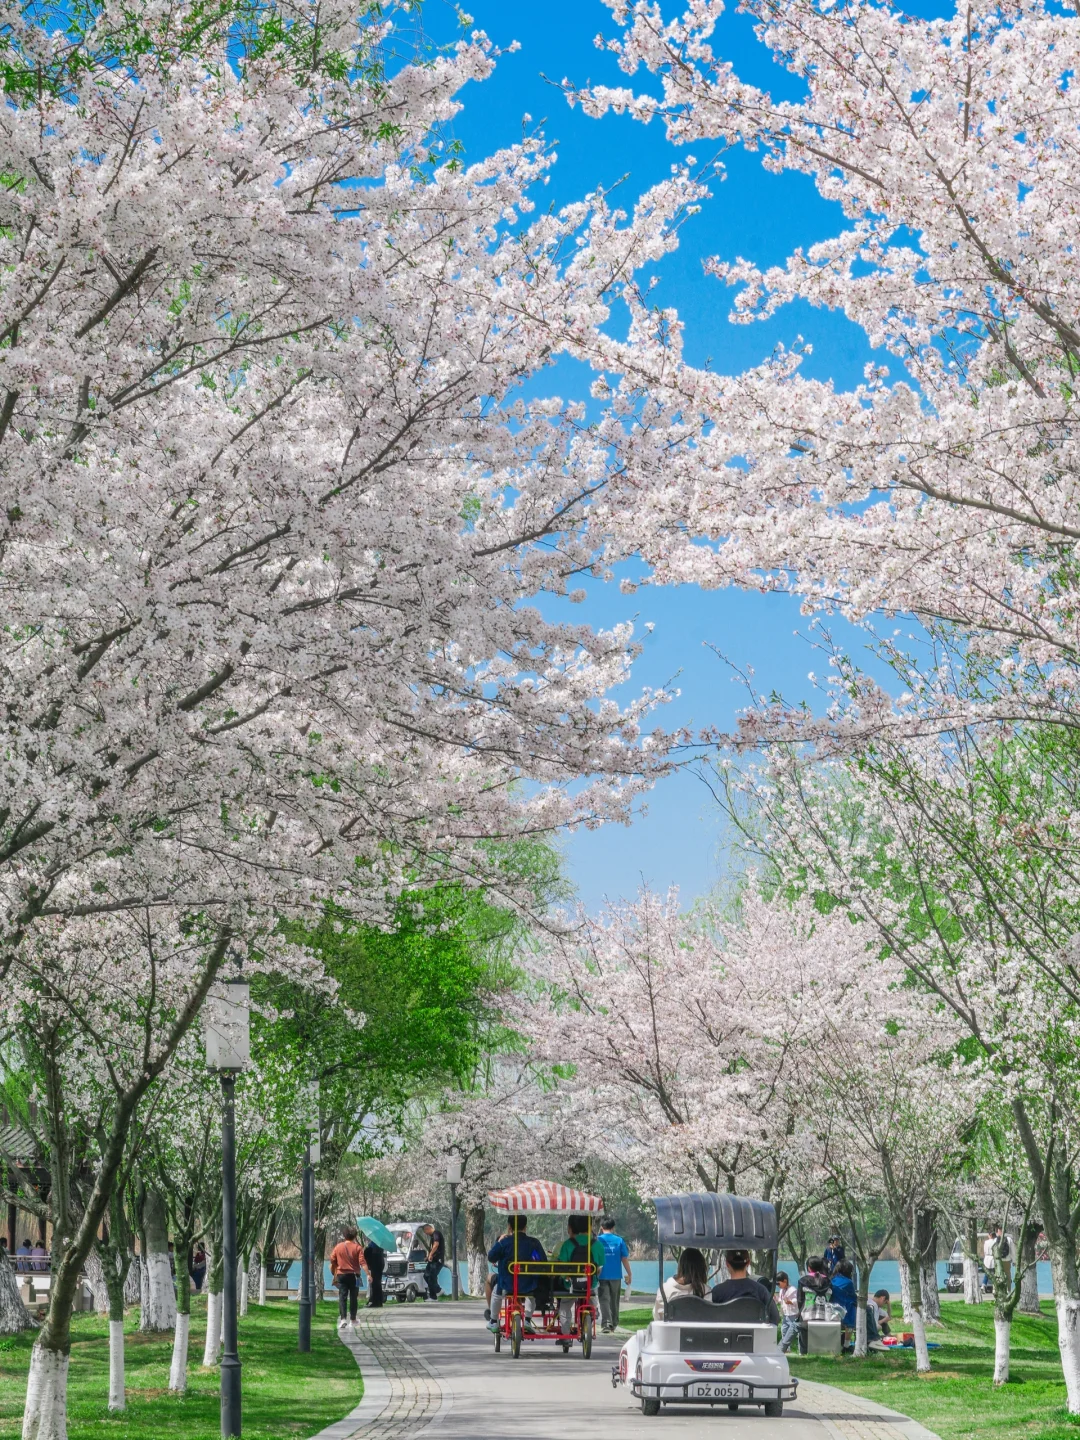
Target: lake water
[884, 1276]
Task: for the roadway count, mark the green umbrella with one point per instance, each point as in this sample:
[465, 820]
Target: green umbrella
[376, 1231]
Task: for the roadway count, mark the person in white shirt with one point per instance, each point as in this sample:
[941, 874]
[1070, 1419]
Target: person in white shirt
[787, 1297]
[691, 1278]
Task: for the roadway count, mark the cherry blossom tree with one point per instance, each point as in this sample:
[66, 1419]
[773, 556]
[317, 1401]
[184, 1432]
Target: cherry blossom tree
[962, 857]
[273, 493]
[947, 490]
[678, 1045]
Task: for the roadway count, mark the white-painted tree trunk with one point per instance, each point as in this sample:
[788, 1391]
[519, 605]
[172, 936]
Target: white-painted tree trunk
[262, 1284]
[972, 1283]
[241, 1289]
[1068, 1318]
[178, 1368]
[860, 1330]
[922, 1354]
[905, 1291]
[45, 1411]
[1002, 1331]
[931, 1298]
[159, 1301]
[117, 1396]
[213, 1328]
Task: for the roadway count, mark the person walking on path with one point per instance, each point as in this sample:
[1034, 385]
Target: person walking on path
[436, 1259]
[375, 1260]
[616, 1264]
[346, 1266]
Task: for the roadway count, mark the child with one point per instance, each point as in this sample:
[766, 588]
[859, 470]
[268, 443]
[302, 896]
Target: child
[788, 1299]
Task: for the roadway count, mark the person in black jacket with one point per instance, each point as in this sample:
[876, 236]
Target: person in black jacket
[375, 1256]
[742, 1286]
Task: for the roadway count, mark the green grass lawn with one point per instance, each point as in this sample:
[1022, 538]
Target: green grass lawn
[957, 1398]
[284, 1393]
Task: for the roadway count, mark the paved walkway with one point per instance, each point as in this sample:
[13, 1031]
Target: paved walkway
[431, 1371]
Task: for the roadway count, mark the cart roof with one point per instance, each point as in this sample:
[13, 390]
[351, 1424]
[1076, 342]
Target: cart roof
[545, 1197]
[716, 1221]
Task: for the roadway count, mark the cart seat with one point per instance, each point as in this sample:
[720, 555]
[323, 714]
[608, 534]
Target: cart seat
[692, 1310]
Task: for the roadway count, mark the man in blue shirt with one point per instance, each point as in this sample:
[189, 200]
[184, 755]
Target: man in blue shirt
[503, 1255]
[609, 1286]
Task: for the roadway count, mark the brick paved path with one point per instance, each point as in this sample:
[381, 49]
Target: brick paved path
[433, 1368]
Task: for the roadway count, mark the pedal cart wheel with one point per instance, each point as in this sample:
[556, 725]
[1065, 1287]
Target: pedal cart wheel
[498, 1341]
[515, 1334]
[586, 1334]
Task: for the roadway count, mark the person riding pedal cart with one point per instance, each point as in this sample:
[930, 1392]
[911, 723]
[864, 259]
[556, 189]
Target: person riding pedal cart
[502, 1256]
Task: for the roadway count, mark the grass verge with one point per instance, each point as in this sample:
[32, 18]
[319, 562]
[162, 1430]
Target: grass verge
[284, 1393]
[957, 1399]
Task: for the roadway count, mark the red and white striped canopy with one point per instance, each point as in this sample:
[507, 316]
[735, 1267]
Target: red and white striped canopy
[544, 1197]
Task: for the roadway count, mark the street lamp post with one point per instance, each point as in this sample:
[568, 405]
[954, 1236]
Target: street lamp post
[307, 1222]
[228, 1050]
[454, 1168]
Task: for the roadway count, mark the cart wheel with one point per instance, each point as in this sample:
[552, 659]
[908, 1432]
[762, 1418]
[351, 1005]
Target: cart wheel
[774, 1409]
[498, 1341]
[400, 1299]
[733, 1404]
[412, 1294]
[586, 1334]
[515, 1334]
[565, 1346]
[650, 1407]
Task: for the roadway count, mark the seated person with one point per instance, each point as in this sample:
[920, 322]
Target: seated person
[883, 1310]
[515, 1246]
[843, 1294]
[872, 1331]
[691, 1278]
[742, 1286]
[576, 1247]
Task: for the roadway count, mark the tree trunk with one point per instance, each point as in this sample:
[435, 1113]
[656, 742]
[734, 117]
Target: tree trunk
[159, 1302]
[1002, 1330]
[182, 1335]
[1067, 1305]
[262, 1282]
[117, 1392]
[14, 1316]
[918, 1327]
[45, 1412]
[215, 1274]
[926, 1244]
[178, 1366]
[133, 1280]
[862, 1295]
[1029, 1283]
[213, 1328]
[972, 1282]
[476, 1249]
[95, 1273]
[905, 1291]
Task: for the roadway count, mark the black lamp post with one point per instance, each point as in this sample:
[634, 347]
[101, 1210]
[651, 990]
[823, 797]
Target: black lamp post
[307, 1224]
[228, 1050]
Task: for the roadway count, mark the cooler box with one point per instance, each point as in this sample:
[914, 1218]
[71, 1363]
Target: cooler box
[823, 1337]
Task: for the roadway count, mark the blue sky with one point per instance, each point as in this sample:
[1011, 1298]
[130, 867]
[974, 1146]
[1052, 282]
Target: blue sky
[759, 216]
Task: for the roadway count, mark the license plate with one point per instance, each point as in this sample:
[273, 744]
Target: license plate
[716, 1390]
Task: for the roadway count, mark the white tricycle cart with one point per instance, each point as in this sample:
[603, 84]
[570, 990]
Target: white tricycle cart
[701, 1353]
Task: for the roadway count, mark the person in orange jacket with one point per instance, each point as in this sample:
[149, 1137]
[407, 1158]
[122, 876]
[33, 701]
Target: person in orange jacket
[347, 1264]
